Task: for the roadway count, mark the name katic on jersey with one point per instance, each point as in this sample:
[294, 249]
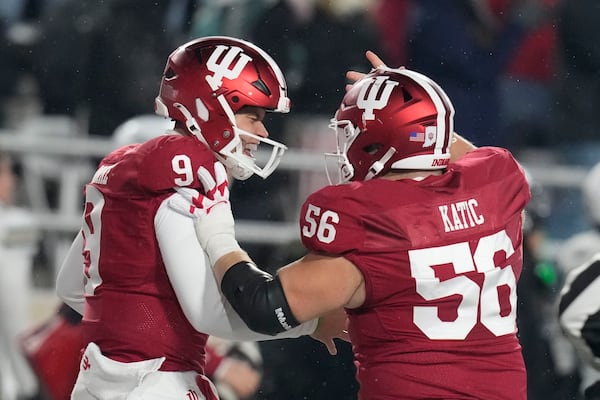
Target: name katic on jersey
[460, 215]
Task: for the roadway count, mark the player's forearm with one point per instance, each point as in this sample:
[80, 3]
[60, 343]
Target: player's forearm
[227, 261]
[256, 296]
[69, 286]
[195, 285]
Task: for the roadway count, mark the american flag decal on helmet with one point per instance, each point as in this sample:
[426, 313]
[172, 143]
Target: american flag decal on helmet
[416, 137]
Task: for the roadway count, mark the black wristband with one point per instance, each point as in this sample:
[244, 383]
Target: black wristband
[258, 298]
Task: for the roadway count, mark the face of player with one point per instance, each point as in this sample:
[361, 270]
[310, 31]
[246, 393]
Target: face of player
[250, 119]
[7, 181]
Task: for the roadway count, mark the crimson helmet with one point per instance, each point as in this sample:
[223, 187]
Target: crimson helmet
[391, 119]
[207, 80]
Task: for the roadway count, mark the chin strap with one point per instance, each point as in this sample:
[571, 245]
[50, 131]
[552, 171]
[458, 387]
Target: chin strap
[377, 166]
[190, 123]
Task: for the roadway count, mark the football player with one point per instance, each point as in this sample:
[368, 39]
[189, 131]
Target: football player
[421, 243]
[136, 271]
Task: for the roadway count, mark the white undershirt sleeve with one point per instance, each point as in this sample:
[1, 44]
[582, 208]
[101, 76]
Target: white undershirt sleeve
[69, 281]
[195, 285]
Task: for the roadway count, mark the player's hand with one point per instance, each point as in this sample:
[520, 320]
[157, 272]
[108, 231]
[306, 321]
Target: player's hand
[331, 326]
[211, 211]
[192, 203]
[237, 376]
[216, 191]
[354, 76]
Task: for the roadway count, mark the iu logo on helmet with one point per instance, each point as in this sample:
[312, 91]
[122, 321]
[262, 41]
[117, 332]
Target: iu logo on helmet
[375, 95]
[230, 65]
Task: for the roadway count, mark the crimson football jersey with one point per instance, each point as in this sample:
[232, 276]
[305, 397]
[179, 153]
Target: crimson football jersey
[440, 258]
[131, 310]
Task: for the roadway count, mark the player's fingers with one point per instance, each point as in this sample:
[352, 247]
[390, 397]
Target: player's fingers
[220, 174]
[207, 180]
[191, 196]
[374, 59]
[188, 194]
[182, 204]
[221, 181]
[354, 76]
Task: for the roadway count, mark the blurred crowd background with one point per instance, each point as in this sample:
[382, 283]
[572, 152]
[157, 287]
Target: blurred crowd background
[523, 74]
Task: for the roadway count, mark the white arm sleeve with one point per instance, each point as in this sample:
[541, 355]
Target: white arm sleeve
[69, 282]
[195, 285]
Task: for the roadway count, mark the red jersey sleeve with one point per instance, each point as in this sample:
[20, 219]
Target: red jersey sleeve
[330, 221]
[173, 160]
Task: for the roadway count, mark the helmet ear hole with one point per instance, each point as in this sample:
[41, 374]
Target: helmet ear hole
[372, 148]
[198, 55]
[260, 85]
[406, 94]
[170, 74]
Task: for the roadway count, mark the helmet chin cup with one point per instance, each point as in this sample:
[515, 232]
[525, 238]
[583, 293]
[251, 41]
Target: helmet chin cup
[234, 168]
[242, 166]
[337, 168]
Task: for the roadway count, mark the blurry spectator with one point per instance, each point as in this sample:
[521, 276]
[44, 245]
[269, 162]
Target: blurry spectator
[226, 17]
[53, 350]
[575, 117]
[10, 11]
[62, 56]
[314, 42]
[465, 44]
[141, 128]
[551, 367]
[101, 61]
[234, 367]
[577, 121]
[18, 240]
[393, 19]
[526, 83]
[18, 33]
